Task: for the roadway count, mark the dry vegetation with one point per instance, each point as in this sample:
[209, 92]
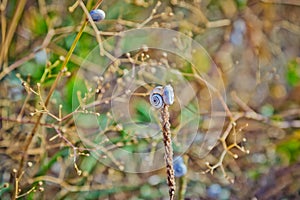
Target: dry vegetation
[75, 117]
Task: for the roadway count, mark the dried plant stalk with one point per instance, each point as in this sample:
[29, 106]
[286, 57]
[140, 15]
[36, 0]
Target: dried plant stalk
[168, 150]
[182, 187]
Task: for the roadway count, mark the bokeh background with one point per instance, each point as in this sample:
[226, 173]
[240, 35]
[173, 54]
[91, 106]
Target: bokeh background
[255, 46]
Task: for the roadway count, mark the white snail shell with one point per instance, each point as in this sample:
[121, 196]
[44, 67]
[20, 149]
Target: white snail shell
[156, 98]
[97, 15]
[160, 96]
[168, 95]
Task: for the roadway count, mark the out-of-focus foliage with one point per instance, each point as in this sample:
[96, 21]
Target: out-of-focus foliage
[293, 73]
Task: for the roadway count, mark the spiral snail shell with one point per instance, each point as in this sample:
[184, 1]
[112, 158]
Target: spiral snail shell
[162, 95]
[156, 98]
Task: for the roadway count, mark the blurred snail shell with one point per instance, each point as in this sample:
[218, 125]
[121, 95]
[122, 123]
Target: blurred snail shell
[97, 15]
[180, 168]
[156, 98]
[168, 95]
[160, 96]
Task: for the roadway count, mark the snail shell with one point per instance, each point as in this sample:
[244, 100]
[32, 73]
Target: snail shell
[97, 15]
[156, 98]
[168, 95]
[162, 95]
[180, 168]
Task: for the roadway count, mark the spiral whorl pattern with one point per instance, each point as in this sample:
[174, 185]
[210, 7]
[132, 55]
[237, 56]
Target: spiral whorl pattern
[162, 95]
[156, 100]
[168, 150]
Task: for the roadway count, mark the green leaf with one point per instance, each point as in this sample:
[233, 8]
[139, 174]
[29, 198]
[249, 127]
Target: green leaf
[74, 85]
[290, 149]
[241, 3]
[48, 164]
[142, 112]
[293, 73]
[32, 69]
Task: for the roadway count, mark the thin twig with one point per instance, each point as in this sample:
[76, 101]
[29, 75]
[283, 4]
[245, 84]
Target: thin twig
[3, 21]
[28, 57]
[287, 2]
[182, 185]
[11, 30]
[151, 16]
[35, 128]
